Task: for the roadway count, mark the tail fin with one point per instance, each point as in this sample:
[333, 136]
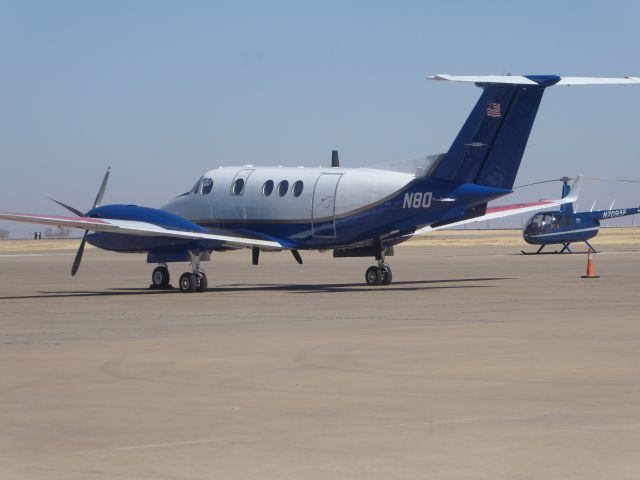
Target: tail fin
[489, 148]
[566, 189]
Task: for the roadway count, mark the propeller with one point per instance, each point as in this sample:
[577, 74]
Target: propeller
[96, 203]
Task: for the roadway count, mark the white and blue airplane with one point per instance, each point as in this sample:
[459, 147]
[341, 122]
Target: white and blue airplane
[356, 212]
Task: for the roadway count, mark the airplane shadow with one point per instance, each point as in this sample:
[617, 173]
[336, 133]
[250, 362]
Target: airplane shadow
[422, 285]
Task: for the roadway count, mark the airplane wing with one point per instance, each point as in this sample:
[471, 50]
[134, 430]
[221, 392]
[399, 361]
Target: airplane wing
[146, 229]
[513, 209]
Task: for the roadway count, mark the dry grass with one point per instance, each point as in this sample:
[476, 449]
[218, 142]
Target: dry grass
[40, 245]
[476, 238]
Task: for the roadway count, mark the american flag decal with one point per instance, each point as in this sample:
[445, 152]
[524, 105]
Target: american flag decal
[494, 110]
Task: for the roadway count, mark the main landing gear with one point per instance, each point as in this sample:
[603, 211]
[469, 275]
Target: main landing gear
[160, 278]
[196, 280]
[379, 274]
[193, 281]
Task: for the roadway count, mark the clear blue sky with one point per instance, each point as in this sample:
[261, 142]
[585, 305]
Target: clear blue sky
[163, 91]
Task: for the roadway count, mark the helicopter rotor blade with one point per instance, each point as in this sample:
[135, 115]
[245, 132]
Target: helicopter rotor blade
[543, 181]
[613, 179]
[567, 179]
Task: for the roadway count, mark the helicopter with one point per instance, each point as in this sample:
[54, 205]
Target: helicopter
[566, 226]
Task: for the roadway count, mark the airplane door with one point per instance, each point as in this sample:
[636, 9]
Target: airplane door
[323, 214]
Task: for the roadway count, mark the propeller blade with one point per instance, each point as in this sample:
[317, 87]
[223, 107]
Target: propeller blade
[78, 259]
[71, 209]
[296, 255]
[255, 255]
[103, 187]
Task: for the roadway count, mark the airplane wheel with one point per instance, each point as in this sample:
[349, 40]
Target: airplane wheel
[373, 276]
[188, 282]
[160, 277]
[201, 283]
[385, 274]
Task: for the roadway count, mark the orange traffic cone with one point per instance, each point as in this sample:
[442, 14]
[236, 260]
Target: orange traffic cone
[591, 271]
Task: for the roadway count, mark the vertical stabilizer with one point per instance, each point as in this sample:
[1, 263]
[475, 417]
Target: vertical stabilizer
[567, 208]
[489, 147]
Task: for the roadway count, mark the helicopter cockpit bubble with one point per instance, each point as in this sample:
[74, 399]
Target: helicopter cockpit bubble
[540, 222]
[534, 224]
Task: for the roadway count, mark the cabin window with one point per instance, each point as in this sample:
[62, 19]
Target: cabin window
[297, 188]
[267, 188]
[237, 188]
[207, 186]
[283, 187]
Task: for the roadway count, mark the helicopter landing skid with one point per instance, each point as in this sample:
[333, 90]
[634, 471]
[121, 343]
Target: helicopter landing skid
[593, 250]
[565, 246]
[565, 249]
[555, 252]
[536, 252]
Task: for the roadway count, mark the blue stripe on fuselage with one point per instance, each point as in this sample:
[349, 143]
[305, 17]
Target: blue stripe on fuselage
[422, 202]
[402, 213]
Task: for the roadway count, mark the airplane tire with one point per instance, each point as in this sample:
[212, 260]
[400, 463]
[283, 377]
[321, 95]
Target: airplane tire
[386, 277]
[160, 277]
[373, 276]
[188, 283]
[201, 283]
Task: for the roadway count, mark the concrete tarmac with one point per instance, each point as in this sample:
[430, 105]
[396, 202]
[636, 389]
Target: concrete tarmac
[476, 363]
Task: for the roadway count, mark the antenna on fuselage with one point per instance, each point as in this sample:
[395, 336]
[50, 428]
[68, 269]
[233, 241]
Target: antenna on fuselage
[335, 159]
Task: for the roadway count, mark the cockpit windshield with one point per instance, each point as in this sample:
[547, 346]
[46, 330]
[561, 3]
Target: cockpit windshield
[196, 187]
[542, 222]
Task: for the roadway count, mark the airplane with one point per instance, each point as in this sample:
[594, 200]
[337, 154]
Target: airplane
[565, 226]
[355, 212]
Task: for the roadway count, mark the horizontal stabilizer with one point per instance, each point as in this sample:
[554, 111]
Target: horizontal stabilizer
[502, 211]
[542, 80]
